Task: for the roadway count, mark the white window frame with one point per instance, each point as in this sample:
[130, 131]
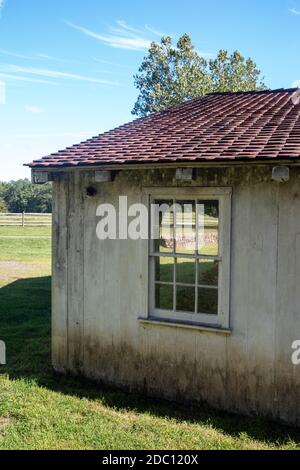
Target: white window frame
[223, 195]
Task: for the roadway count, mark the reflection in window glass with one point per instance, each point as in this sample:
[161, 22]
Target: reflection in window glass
[185, 271]
[165, 227]
[164, 269]
[185, 299]
[163, 297]
[185, 240]
[166, 211]
[185, 234]
[208, 227]
[208, 272]
[188, 232]
[208, 240]
[208, 213]
[165, 243]
[208, 301]
[185, 212]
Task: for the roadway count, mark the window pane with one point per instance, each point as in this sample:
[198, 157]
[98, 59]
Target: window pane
[185, 233]
[208, 301]
[185, 212]
[210, 212]
[164, 269]
[185, 271]
[208, 241]
[185, 299]
[208, 231]
[166, 211]
[208, 272]
[165, 243]
[186, 240]
[163, 224]
[163, 297]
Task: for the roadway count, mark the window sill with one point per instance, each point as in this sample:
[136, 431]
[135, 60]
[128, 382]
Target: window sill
[189, 325]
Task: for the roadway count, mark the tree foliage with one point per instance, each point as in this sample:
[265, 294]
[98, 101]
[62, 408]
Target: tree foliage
[3, 207]
[23, 196]
[171, 75]
[234, 73]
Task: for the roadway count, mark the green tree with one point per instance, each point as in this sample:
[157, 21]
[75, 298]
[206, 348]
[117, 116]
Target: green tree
[3, 187]
[17, 195]
[171, 75]
[23, 196]
[234, 73]
[42, 199]
[3, 207]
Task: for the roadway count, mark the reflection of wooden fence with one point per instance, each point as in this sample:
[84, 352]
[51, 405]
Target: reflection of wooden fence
[25, 219]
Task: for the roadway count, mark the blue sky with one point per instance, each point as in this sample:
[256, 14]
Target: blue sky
[67, 66]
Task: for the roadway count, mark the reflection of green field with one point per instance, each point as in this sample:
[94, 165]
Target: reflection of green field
[208, 301]
[185, 299]
[185, 274]
[207, 250]
[185, 271]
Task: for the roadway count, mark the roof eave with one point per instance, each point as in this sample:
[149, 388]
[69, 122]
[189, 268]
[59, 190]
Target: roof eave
[292, 161]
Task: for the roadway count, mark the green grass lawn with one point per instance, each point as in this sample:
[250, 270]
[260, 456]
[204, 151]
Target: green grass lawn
[42, 410]
[25, 231]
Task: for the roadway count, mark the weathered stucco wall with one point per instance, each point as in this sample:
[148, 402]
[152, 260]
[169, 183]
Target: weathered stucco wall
[100, 290]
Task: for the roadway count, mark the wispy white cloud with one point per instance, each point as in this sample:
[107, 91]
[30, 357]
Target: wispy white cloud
[121, 38]
[8, 76]
[296, 84]
[124, 36]
[126, 26]
[34, 109]
[40, 55]
[294, 11]
[107, 62]
[37, 56]
[46, 73]
[43, 56]
[15, 54]
[154, 31]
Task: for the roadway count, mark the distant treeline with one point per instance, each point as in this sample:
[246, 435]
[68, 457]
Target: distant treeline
[23, 196]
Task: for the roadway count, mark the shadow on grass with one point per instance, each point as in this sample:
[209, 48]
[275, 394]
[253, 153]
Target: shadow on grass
[25, 328]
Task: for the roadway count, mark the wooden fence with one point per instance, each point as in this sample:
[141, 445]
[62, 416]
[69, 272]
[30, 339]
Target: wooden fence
[25, 220]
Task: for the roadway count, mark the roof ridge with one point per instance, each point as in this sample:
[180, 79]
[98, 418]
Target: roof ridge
[214, 93]
[250, 92]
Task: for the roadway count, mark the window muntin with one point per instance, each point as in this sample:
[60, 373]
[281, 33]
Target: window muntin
[189, 279]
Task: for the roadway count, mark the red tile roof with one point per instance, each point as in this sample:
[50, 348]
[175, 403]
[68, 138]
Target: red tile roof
[222, 126]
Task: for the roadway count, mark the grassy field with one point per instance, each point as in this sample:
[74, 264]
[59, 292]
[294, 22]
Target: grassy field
[42, 410]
